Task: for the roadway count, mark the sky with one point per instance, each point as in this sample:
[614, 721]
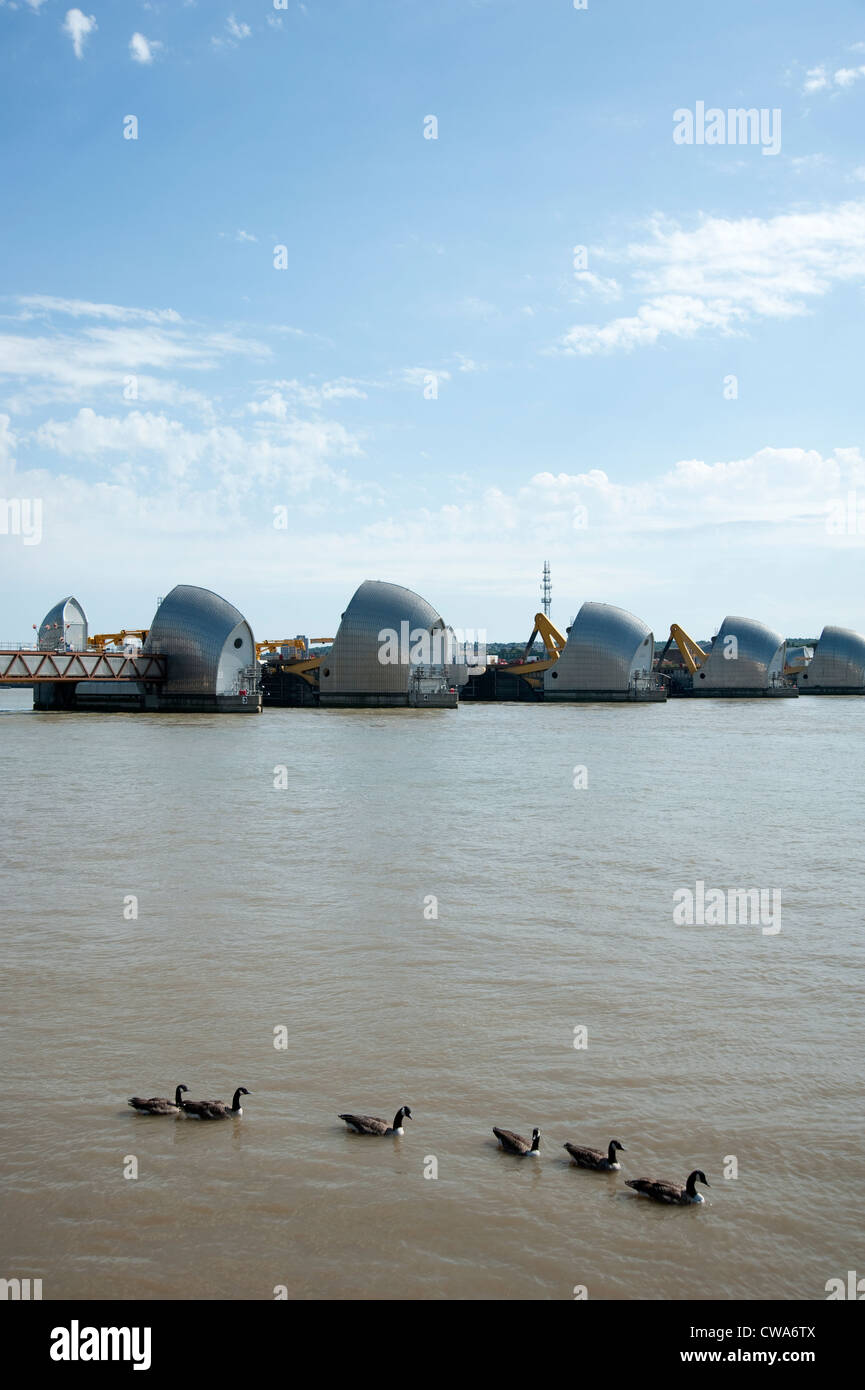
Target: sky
[294, 295]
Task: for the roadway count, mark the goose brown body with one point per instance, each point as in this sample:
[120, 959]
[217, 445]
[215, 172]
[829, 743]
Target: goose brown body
[158, 1105]
[598, 1159]
[674, 1194]
[515, 1143]
[371, 1124]
[214, 1109]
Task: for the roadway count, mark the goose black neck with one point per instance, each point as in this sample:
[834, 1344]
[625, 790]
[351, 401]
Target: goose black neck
[611, 1152]
[398, 1118]
[235, 1104]
[691, 1186]
[536, 1143]
[178, 1096]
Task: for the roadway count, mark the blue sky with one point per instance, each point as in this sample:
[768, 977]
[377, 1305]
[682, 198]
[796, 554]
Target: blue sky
[577, 413]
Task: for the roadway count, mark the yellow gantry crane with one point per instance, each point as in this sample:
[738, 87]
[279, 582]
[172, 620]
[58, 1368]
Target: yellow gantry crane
[301, 664]
[692, 653]
[115, 639]
[299, 644]
[554, 643]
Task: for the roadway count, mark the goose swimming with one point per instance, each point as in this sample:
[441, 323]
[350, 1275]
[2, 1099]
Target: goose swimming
[235, 1108]
[370, 1124]
[159, 1105]
[214, 1109]
[671, 1192]
[516, 1144]
[596, 1158]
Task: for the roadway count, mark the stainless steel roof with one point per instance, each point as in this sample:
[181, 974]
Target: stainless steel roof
[746, 655]
[606, 647]
[207, 640]
[839, 660]
[353, 666]
[63, 625]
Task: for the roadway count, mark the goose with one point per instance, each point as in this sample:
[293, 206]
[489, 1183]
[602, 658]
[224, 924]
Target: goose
[214, 1109]
[516, 1144]
[235, 1108]
[369, 1124]
[671, 1192]
[596, 1158]
[159, 1105]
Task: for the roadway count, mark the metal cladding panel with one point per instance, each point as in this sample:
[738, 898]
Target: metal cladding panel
[838, 661]
[64, 625]
[759, 655]
[191, 627]
[605, 646]
[352, 666]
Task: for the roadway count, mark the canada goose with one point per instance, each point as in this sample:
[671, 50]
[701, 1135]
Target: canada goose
[214, 1109]
[369, 1124]
[596, 1158]
[671, 1192]
[158, 1105]
[235, 1108]
[516, 1144]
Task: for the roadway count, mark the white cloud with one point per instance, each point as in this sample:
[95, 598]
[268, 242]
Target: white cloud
[417, 376]
[235, 30]
[7, 441]
[98, 356]
[845, 77]
[82, 308]
[78, 26]
[284, 397]
[819, 79]
[143, 50]
[725, 274]
[586, 280]
[816, 79]
[163, 452]
[466, 364]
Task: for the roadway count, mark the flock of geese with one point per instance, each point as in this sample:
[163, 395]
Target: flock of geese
[193, 1109]
[606, 1161]
[599, 1160]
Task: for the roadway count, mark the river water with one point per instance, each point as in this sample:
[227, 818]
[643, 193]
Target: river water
[302, 914]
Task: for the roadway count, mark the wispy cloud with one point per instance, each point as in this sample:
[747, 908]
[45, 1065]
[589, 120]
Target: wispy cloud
[235, 30]
[143, 50]
[725, 274]
[83, 308]
[78, 26]
[282, 398]
[822, 77]
[106, 342]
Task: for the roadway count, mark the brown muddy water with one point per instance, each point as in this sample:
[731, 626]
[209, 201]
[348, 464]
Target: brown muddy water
[302, 908]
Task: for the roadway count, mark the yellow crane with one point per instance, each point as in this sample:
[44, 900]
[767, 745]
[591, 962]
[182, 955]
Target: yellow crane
[549, 634]
[554, 644]
[104, 639]
[692, 653]
[298, 644]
